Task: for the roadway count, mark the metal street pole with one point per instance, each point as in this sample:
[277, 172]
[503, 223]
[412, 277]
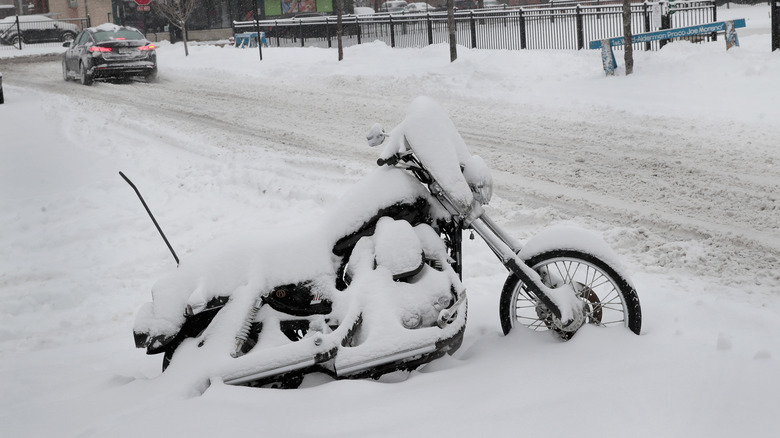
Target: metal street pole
[257, 30]
[775, 25]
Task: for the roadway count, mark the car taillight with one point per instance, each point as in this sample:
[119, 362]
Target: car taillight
[147, 47]
[99, 49]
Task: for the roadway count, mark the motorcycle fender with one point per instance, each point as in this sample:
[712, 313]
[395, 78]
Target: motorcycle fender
[193, 326]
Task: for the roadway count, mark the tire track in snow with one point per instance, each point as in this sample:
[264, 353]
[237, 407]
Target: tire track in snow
[681, 182]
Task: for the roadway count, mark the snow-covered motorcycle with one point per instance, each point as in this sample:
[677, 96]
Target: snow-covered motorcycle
[375, 286]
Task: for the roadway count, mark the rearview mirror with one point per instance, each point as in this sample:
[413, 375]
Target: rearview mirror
[376, 135]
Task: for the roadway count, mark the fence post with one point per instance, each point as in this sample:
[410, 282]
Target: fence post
[300, 31]
[552, 14]
[646, 12]
[714, 12]
[666, 22]
[473, 25]
[19, 32]
[392, 32]
[430, 28]
[257, 31]
[580, 31]
[521, 24]
[359, 30]
[327, 31]
[775, 25]
[714, 19]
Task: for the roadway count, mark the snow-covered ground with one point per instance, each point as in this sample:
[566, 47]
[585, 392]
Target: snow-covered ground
[676, 166]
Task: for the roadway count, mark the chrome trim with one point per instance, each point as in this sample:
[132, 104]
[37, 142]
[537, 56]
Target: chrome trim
[367, 364]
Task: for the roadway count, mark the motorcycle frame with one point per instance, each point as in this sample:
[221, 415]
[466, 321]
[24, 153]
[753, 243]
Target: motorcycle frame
[474, 217]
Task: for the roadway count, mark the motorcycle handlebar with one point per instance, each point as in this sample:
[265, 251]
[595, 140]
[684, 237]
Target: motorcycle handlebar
[392, 161]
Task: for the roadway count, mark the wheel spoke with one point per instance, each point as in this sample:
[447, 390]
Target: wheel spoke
[602, 297]
[536, 325]
[530, 306]
[593, 284]
[613, 308]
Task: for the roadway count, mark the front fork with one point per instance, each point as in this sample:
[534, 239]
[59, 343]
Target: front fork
[562, 304]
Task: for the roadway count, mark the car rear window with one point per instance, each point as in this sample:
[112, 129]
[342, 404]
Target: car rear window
[118, 35]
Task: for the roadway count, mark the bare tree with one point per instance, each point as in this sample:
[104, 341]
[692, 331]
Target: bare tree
[628, 56]
[339, 28]
[177, 12]
[451, 30]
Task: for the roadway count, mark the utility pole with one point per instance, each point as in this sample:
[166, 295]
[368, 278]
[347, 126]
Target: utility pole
[257, 31]
[339, 28]
[451, 29]
[86, 13]
[775, 25]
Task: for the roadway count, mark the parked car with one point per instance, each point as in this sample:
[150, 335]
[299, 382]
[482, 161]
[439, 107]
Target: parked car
[109, 51]
[35, 29]
[392, 6]
[465, 4]
[363, 10]
[492, 4]
[419, 7]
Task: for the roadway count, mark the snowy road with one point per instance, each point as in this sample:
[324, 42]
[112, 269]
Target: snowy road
[677, 180]
[677, 167]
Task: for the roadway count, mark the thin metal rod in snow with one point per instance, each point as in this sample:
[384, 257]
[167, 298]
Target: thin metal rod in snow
[257, 31]
[151, 216]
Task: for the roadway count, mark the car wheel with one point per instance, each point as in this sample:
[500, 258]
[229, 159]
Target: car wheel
[65, 72]
[67, 36]
[86, 77]
[152, 77]
[15, 40]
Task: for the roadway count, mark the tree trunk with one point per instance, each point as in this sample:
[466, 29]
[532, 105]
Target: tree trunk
[628, 37]
[184, 40]
[339, 29]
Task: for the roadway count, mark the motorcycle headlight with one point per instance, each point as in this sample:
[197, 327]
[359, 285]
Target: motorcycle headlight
[478, 177]
[483, 192]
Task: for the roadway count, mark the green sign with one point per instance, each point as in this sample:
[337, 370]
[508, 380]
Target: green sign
[293, 7]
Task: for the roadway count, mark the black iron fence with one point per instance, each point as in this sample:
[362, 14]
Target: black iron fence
[549, 26]
[20, 31]
[556, 25]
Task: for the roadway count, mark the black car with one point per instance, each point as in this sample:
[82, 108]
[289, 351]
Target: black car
[35, 29]
[109, 51]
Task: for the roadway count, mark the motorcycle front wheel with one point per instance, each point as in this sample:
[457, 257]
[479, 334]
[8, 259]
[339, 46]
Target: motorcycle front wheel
[608, 299]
